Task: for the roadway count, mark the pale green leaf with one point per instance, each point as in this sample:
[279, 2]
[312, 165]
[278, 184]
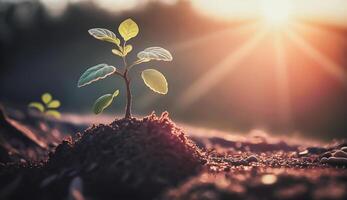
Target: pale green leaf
[54, 104]
[154, 53]
[116, 93]
[128, 29]
[116, 52]
[37, 106]
[53, 113]
[95, 73]
[155, 81]
[103, 102]
[46, 98]
[104, 35]
[127, 49]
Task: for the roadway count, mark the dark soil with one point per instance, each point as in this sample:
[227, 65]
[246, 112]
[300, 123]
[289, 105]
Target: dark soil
[266, 175]
[128, 159]
[152, 158]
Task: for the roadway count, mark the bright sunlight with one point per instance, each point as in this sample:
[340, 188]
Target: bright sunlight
[279, 21]
[276, 12]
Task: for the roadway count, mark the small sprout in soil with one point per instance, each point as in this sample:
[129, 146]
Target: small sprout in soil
[152, 78]
[49, 106]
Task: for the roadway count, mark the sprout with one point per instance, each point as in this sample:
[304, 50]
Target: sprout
[48, 107]
[152, 78]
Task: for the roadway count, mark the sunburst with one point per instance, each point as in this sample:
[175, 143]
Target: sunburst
[280, 20]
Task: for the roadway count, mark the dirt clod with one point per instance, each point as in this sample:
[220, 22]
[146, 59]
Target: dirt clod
[339, 153]
[251, 158]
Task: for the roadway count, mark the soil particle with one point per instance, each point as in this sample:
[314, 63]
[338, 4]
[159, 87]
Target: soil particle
[340, 153]
[324, 160]
[337, 161]
[326, 155]
[316, 150]
[303, 153]
[251, 158]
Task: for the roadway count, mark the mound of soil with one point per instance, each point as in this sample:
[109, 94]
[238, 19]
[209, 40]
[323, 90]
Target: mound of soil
[127, 159]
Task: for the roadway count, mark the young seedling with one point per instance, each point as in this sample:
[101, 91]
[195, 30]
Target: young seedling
[48, 107]
[152, 78]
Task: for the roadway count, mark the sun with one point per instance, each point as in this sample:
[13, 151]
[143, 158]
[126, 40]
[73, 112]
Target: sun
[276, 12]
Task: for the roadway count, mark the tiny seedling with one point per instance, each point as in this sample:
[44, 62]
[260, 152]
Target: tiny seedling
[152, 78]
[48, 107]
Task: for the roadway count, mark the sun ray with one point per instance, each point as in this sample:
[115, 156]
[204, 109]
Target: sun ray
[215, 74]
[147, 100]
[283, 90]
[319, 31]
[183, 45]
[324, 62]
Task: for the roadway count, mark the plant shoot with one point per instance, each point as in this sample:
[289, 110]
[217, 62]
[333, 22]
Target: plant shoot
[152, 78]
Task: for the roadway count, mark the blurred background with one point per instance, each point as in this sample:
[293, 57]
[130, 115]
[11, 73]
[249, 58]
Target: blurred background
[275, 65]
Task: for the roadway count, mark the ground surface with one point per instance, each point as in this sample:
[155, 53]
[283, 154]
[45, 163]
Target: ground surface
[152, 158]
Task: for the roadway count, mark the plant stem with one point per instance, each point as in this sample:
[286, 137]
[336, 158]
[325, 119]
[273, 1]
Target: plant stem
[126, 78]
[127, 84]
[128, 105]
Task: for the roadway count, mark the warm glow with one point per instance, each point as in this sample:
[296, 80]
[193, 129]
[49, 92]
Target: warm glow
[271, 44]
[201, 86]
[276, 12]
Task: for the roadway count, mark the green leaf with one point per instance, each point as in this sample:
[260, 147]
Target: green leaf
[155, 81]
[37, 105]
[128, 29]
[116, 93]
[95, 73]
[127, 49]
[104, 35]
[54, 104]
[53, 113]
[46, 98]
[154, 53]
[103, 102]
[116, 52]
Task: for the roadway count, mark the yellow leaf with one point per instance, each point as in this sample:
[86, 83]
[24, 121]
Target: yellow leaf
[53, 113]
[54, 104]
[116, 52]
[155, 81]
[37, 105]
[127, 49]
[128, 29]
[46, 98]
